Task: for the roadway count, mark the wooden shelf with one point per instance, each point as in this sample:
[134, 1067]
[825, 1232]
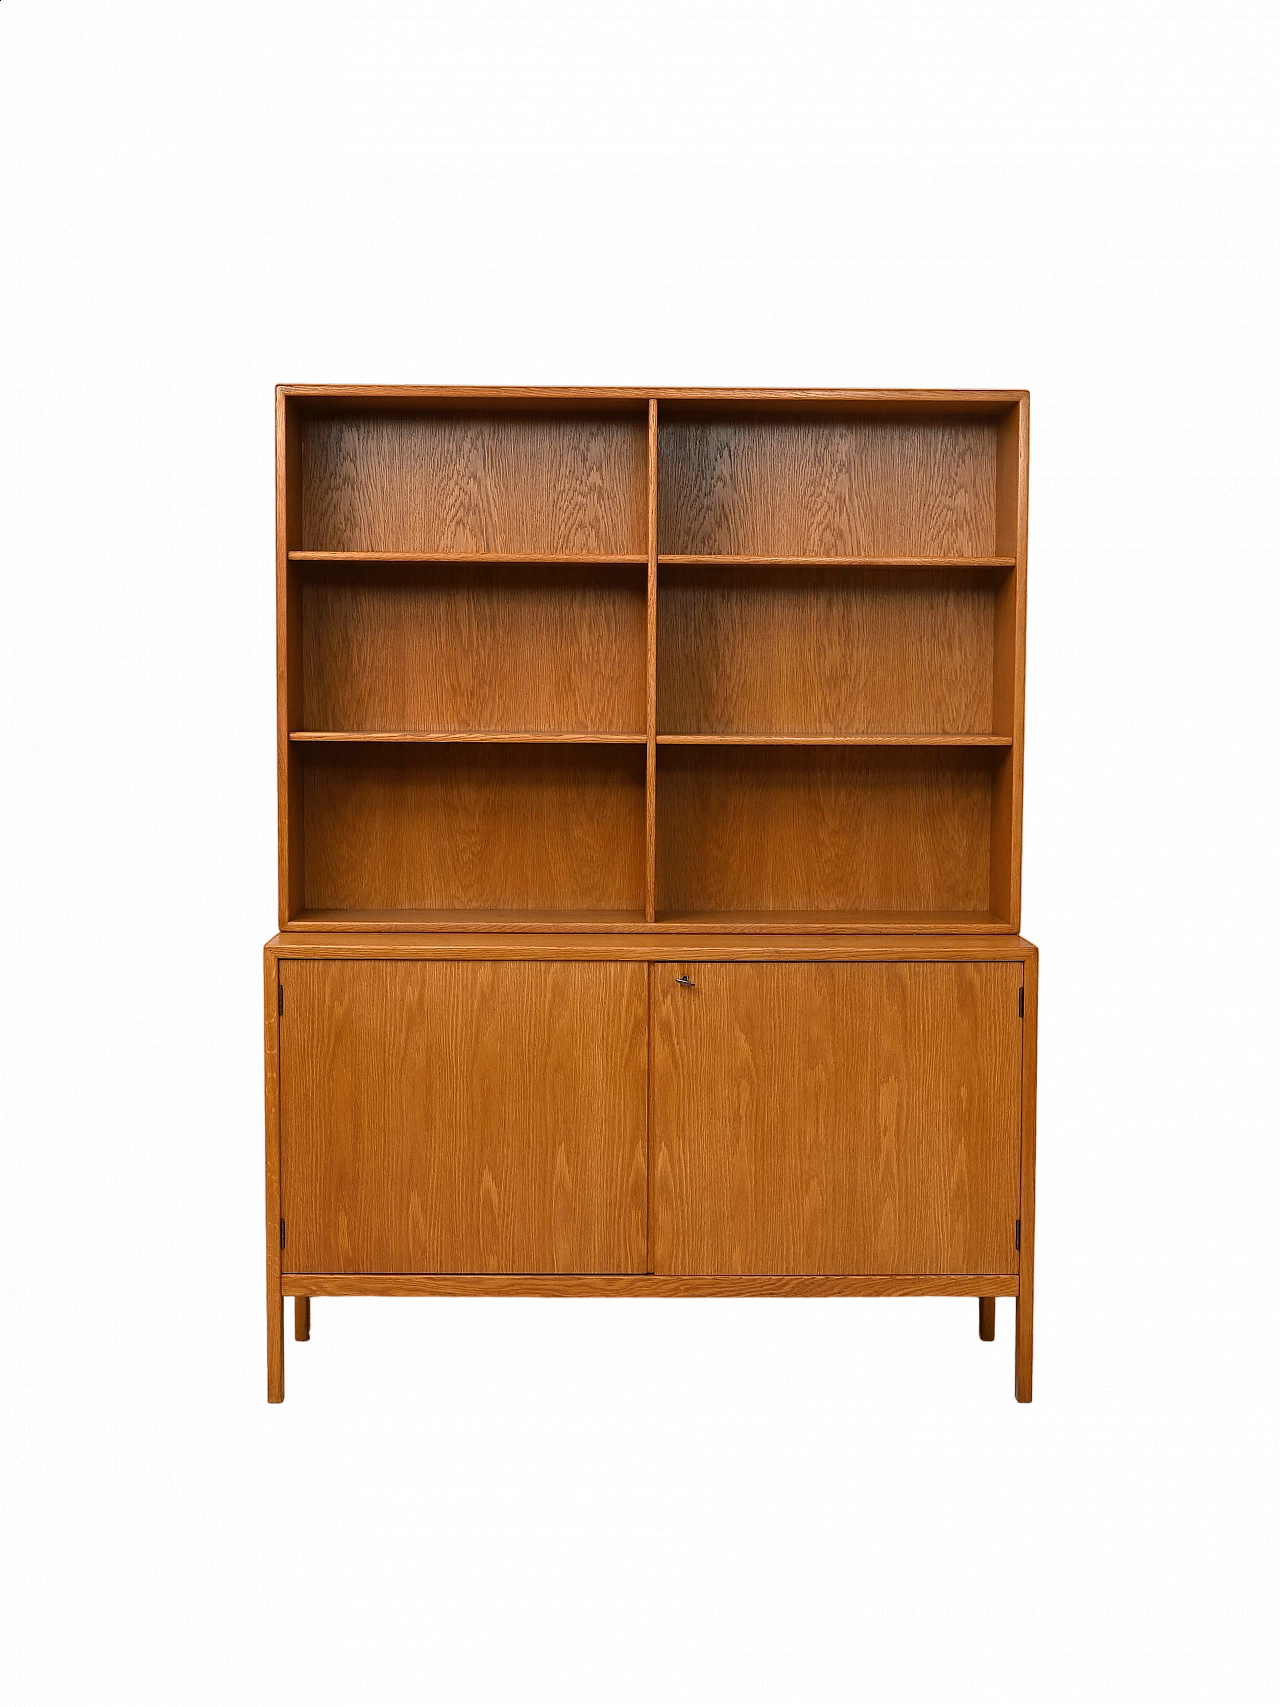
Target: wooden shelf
[576, 738]
[835, 740]
[565, 559]
[835, 920]
[466, 918]
[709, 560]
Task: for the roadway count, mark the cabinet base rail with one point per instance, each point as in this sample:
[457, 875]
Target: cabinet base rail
[649, 1286]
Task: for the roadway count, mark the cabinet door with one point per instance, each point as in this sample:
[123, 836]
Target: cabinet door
[445, 1117]
[836, 1119]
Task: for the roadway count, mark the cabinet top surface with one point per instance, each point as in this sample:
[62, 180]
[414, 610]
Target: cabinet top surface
[997, 399]
[479, 945]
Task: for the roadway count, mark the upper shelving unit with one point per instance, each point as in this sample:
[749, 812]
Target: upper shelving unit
[607, 660]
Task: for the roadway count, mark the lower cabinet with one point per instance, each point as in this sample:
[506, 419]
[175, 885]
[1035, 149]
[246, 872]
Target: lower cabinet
[463, 1117]
[836, 1118]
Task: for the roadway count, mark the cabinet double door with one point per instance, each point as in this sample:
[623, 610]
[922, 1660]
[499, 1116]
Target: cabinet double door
[610, 1117]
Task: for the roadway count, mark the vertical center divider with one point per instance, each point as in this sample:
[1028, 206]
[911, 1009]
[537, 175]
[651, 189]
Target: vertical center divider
[651, 683]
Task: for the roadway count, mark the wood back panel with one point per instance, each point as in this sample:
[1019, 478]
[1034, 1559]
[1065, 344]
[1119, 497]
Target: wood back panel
[835, 1119]
[805, 650]
[825, 485]
[478, 1118]
[451, 827]
[470, 480]
[827, 828]
[471, 647]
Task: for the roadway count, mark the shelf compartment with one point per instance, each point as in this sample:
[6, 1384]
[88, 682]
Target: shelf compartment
[825, 651]
[783, 830]
[841, 483]
[748, 921]
[452, 829]
[540, 649]
[423, 478]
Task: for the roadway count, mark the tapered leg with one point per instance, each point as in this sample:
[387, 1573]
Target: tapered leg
[986, 1318]
[302, 1318]
[275, 1347]
[1022, 1351]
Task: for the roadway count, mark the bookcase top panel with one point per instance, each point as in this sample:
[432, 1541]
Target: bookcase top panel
[896, 401]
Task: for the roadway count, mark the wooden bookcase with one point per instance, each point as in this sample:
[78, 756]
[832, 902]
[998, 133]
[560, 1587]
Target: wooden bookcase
[631, 682]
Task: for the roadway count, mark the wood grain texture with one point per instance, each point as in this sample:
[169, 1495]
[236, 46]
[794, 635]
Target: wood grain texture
[474, 648]
[302, 1317]
[643, 944]
[549, 828]
[652, 1285]
[651, 680]
[444, 1116]
[986, 1318]
[823, 829]
[275, 1299]
[825, 485]
[825, 652]
[1023, 1327]
[835, 1119]
[474, 481]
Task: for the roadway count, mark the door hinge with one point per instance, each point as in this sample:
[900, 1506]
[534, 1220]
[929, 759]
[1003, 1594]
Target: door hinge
[1017, 1234]
[280, 999]
[1021, 997]
[282, 1232]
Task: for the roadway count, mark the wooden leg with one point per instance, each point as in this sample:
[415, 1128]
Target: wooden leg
[986, 1318]
[1022, 1351]
[302, 1318]
[275, 1347]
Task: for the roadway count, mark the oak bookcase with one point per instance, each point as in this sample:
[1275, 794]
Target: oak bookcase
[650, 776]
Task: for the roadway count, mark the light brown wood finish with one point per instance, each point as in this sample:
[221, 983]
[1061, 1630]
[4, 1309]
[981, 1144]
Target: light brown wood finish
[532, 647]
[651, 1285]
[474, 481]
[476, 737]
[832, 484]
[835, 1119]
[639, 943]
[814, 830]
[986, 1318]
[1027, 1211]
[446, 1117]
[804, 561]
[893, 652]
[302, 1317]
[651, 680]
[483, 559]
[542, 828]
[275, 1299]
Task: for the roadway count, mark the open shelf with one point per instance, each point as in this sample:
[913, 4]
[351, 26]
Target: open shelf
[565, 560]
[825, 830]
[472, 478]
[538, 648]
[575, 738]
[749, 920]
[467, 918]
[811, 651]
[832, 740]
[488, 827]
[725, 560]
[737, 480]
